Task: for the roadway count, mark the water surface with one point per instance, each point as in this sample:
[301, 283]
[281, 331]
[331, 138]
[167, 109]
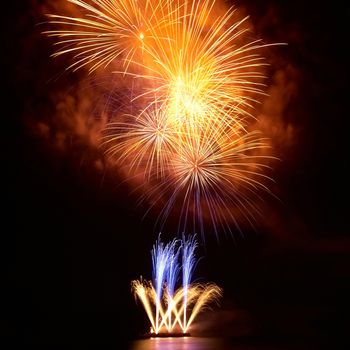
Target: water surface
[196, 343]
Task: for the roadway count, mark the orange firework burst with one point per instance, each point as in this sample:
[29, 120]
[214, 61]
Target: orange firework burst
[204, 69]
[108, 30]
[148, 137]
[210, 175]
[199, 75]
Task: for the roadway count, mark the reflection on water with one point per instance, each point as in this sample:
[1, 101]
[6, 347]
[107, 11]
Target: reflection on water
[187, 343]
[194, 343]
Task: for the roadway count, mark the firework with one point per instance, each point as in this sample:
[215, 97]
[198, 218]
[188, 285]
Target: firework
[160, 259]
[201, 68]
[145, 142]
[108, 30]
[187, 140]
[166, 307]
[204, 70]
[188, 265]
[208, 176]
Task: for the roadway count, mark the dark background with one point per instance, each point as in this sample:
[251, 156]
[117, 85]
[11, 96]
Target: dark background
[72, 243]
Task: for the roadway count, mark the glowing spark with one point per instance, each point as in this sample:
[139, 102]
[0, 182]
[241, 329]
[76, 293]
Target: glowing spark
[188, 264]
[172, 275]
[142, 291]
[160, 256]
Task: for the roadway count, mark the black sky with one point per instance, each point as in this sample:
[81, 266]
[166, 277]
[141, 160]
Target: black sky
[73, 240]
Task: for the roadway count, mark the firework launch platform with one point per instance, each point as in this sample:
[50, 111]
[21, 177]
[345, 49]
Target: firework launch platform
[168, 335]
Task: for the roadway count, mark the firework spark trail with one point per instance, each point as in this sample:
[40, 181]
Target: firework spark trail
[160, 256]
[166, 306]
[142, 291]
[188, 264]
[207, 294]
[172, 276]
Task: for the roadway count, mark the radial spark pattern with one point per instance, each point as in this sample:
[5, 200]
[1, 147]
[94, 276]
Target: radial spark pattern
[188, 142]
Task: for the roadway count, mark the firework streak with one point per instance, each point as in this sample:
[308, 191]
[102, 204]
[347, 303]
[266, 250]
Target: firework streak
[167, 308]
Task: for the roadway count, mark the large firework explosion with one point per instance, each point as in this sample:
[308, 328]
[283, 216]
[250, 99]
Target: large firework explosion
[198, 74]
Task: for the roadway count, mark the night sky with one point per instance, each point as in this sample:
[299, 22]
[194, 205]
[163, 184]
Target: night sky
[73, 238]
